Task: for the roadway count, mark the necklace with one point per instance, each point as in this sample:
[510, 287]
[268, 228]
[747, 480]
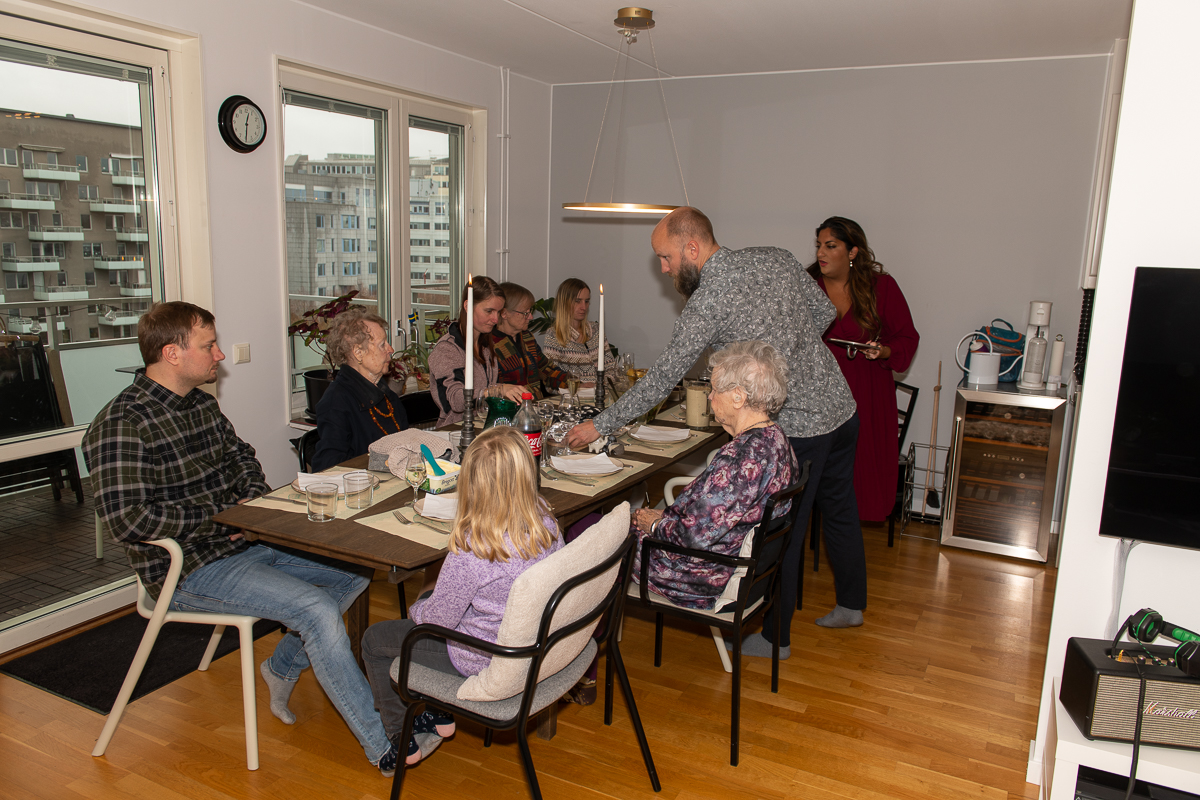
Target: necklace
[391, 414]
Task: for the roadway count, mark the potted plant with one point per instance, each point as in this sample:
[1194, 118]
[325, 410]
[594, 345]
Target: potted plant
[313, 325]
[414, 359]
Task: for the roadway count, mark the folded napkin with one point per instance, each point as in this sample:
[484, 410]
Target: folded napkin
[409, 441]
[584, 393]
[657, 433]
[440, 506]
[306, 479]
[596, 465]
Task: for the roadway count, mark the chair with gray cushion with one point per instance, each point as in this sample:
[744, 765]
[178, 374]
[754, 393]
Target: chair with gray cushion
[753, 588]
[544, 645]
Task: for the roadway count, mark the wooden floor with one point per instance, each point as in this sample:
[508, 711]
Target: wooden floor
[935, 697]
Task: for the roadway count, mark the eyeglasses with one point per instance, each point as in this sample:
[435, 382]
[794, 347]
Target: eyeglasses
[525, 314]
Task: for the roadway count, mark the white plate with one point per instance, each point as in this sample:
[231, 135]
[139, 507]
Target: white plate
[420, 506]
[662, 439]
[336, 478]
[581, 457]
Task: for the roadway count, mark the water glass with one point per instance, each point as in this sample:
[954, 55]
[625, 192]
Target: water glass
[360, 487]
[322, 501]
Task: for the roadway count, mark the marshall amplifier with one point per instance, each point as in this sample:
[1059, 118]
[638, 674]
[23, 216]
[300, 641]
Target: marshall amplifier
[1101, 695]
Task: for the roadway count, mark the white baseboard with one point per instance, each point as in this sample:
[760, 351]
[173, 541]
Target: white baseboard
[78, 611]
[1033, 772]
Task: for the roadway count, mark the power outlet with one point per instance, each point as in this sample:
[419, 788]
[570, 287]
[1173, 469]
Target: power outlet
[241, 353]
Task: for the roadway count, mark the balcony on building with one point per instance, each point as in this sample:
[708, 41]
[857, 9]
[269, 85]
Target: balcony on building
[119, 262]
[60, 294]
[26, 202]
[51, 172]
[115, 205]
[56, 233]
[125, 178]
[19, 324]
[29, 263]
[130, 289]
[133, 235]
[121, 317]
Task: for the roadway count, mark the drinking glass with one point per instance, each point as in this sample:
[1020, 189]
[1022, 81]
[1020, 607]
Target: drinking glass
[322, 501]
[573, 388]
[359, 489]
[415, 472]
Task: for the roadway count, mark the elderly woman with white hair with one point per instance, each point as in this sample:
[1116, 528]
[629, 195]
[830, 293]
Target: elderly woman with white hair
[718, 509]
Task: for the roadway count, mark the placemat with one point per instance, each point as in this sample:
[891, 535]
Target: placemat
[388, 486]
[388, 523]
[676, 413]
[595, 484]
[663, 450]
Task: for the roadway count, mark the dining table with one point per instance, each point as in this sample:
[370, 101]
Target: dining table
[404, 549]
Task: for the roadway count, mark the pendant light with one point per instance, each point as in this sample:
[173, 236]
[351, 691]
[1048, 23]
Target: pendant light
[630, 22]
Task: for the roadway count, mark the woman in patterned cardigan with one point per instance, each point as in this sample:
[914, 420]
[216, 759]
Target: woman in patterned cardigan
[573, 341]
[718, 509]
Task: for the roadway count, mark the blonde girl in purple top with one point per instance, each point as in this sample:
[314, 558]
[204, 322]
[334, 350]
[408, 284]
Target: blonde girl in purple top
[502, 529]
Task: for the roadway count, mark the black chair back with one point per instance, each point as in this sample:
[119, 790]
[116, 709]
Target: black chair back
[420, 408]
[306, 448]
[770, 542]
[28, 403]
[906, 413]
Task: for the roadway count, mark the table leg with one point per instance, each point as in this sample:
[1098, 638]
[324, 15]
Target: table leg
[357, 620]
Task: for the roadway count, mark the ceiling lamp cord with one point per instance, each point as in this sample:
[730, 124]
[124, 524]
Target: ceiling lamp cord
[670, 127]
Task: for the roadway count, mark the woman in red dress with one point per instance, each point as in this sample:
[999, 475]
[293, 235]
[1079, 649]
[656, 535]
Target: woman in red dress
[870, 309]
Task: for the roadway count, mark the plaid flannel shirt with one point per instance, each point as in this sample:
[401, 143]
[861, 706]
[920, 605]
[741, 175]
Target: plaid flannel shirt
[523, 363]
[162, 466]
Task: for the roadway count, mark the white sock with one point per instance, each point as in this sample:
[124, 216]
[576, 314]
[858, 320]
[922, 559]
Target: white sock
[281, 692]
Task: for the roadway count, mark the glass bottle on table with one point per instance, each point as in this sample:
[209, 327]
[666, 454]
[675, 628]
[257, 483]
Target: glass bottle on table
[528, 423]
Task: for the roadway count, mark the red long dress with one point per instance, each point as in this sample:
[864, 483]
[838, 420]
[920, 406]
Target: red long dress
[874, 389]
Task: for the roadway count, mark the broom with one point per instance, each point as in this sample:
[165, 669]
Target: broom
[931, 495]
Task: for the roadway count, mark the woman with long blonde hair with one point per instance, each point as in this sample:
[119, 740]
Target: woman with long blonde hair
[573, 342]
[502, 528]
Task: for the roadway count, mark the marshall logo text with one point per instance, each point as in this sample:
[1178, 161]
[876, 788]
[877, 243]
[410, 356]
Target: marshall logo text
[1156, 709]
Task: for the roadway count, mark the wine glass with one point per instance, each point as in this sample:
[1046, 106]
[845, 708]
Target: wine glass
[573, 387]
[415, 472]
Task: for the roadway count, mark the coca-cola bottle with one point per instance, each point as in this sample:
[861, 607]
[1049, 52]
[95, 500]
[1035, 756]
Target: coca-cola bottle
[529, 424]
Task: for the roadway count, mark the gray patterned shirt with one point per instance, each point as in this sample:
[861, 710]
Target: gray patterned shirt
[757, 293]
[162, 466]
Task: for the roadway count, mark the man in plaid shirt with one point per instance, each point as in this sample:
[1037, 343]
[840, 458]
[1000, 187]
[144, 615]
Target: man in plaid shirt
[164, 460]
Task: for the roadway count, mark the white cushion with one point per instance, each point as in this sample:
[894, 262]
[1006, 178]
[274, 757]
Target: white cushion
[505, 677]
[735, 580]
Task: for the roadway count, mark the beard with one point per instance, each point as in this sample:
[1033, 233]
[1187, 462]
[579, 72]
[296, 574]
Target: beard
[687, 278]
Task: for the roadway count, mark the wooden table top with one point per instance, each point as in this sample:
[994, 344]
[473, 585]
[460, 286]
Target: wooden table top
[350, 541]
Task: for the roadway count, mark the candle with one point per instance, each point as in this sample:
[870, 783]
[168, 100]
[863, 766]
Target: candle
[600, 345]
[469, 372]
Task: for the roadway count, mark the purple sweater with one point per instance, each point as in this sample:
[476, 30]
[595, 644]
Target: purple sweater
[470, 596]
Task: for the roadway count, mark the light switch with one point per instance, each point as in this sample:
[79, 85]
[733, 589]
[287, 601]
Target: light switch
[241, 353]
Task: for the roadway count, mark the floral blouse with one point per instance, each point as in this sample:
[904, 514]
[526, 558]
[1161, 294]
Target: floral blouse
[579, 358]
[715, 512]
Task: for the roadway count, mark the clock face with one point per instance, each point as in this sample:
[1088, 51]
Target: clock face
[248, 125]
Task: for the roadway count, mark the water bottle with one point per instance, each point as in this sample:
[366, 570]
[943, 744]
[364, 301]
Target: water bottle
[529, 424]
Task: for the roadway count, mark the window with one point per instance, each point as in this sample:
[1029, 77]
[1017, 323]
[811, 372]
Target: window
[439, 209]
[372, 268]
[87, 192]
[34, 223]
[92, 250]
[419, 259]
[351, 245]
[294, 193]
[320, 270]
[319, 220]
[27, 157]
[50, 249]
[441, 243]
[85, 221]
[8, 157]
[89, 279]
[114, 222]
[320, 291]
[323, 194]
[93, 333]
[350, 220]
[371, 246]
[114, 277]
[62, 281]
[16, 280]
[320, 245]
[52, 159]
[110, 166]
[8, 249]
[441, 259]
[351, 268]
[370, 223]
[418, 226]
[56, 220]
[418, 208]
[10, 219]
[81, 163]
[418, 243]
[439, 226]
[42, 188]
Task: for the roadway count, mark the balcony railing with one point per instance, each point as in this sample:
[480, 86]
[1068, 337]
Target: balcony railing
[21, 200]
[56, 233]
[59, 172]
[72, 289]
[118, 262]
[135, 289]
[30, 263]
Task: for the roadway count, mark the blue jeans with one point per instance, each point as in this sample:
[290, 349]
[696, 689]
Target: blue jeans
[309, 597]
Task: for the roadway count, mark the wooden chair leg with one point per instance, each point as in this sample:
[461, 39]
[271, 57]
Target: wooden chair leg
[735, 714]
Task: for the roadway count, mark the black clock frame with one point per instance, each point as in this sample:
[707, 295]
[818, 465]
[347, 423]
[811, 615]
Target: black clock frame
[225, 116]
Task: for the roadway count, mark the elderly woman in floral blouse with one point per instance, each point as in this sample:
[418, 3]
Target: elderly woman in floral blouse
[718, 509]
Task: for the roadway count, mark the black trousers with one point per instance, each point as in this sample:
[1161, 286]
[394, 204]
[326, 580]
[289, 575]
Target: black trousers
[831, 487]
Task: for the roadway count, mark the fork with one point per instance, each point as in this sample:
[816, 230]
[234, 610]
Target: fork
[415, 521]
[565, 477]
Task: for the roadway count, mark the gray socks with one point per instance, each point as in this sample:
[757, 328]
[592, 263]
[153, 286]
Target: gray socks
[841, 617]
[756, 645]
[281, 692]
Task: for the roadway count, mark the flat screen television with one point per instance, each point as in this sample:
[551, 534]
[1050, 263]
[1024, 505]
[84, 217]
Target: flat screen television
[1152, 492]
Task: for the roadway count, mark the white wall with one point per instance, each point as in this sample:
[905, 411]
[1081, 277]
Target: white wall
[972, 182]
[239, 42]
[1152, 205]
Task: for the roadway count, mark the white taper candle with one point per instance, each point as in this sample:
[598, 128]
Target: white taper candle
[469, 371]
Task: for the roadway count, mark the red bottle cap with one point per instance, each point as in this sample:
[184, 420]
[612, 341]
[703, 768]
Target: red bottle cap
[526, 395]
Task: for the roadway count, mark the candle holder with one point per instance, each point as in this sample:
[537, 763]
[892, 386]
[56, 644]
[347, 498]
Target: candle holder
[600, 389]
[468, 428]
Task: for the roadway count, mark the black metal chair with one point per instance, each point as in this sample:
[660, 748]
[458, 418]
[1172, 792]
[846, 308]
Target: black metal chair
[905, 418]
[757, 592]
[306, 448]
[421, 410]
[420, 687]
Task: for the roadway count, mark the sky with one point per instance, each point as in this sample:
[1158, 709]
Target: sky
[57, 93]
[316, 133]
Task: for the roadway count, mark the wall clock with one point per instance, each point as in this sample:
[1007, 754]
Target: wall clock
[242, 124]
